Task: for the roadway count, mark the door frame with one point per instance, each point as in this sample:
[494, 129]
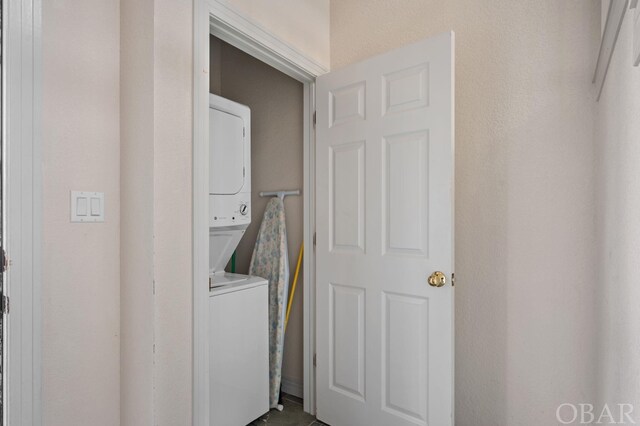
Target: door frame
[218, 18]
[22, 21]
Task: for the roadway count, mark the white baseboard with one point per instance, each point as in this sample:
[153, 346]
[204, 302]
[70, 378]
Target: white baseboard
[292, 387]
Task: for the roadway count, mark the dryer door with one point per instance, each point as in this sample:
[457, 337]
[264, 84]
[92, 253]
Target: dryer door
[226, 153]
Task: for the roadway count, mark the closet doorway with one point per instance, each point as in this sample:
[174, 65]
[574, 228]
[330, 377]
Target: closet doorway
[276, 101]
[282, 63]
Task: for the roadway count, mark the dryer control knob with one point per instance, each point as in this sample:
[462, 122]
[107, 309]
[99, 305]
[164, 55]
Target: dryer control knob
[244, 209]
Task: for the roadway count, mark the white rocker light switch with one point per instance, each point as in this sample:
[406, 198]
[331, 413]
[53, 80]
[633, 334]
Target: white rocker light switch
[87, 206]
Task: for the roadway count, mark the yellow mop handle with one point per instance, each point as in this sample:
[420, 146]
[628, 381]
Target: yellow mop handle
[293, 288]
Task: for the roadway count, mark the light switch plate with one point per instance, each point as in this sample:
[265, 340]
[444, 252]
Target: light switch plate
[87, 206]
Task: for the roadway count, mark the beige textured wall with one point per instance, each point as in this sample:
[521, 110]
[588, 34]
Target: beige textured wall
[276, 163]
[156, 105]
[525, 254]
[172, 205]
[618, 201]
[81, 151]
[136, 243]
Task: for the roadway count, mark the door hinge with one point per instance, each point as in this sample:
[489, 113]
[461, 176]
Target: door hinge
[4, 308]
[314, 240]
[315, 358]
[4, 261]
[314, 119]
[244, 172]
[453, 279]
[244, 132]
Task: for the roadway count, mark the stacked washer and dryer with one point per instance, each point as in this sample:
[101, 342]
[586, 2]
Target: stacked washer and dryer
[238, 304]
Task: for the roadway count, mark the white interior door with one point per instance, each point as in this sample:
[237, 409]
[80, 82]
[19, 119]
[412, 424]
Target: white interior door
[384, 224]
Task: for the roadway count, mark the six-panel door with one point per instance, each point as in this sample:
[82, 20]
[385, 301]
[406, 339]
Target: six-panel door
[384, 224]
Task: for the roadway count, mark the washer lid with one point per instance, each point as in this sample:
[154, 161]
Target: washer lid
[228, 283]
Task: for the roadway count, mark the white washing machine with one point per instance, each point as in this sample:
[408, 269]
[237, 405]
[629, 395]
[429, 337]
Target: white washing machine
[238, 304]
[238, 352]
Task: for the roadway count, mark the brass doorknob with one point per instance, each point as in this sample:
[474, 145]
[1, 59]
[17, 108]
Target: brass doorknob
[437, 279]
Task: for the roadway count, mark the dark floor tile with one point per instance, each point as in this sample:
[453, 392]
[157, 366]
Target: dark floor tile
[291, 398]
[292, 415]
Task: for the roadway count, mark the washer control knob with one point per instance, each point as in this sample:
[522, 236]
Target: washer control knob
[244, 209]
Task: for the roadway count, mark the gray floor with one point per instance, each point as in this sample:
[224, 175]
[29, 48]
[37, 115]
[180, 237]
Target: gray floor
[292, 415]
